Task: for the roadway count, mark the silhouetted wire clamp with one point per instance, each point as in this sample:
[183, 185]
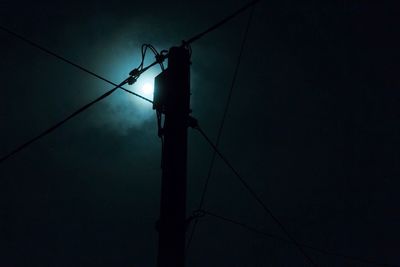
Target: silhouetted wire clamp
[134, 72]
[195, 215]
[192, 122]
[162, 56]
[132, 80]
[199, 213]
[184, 44]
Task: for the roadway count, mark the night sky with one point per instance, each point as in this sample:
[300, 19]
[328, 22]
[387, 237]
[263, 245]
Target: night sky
[313, 126]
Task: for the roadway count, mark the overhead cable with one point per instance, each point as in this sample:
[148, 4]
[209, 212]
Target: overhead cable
[255, 196]
[220, 23]
[225, 112]
[44, 49]
[60, 123]
[272, 236]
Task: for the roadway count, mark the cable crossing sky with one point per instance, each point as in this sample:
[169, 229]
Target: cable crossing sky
[132, 79]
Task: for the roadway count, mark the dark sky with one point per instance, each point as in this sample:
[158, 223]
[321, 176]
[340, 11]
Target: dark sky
[313, 126]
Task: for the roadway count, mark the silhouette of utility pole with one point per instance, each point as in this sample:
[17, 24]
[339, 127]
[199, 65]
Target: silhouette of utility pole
[172, 98]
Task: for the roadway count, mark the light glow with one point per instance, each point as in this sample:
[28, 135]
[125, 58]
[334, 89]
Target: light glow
[147, 89]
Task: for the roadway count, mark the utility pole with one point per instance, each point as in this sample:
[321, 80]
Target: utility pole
[172, 98]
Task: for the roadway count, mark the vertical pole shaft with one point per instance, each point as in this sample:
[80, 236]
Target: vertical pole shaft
[171, 248]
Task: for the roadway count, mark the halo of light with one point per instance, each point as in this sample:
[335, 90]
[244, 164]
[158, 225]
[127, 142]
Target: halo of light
[147, 89]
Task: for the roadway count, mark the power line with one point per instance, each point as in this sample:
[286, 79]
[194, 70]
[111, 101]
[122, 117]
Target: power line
[255, 196]
[47, 51]
[191, 40]
[129, 80]
[55, 126]
[222, 22]
[219, 134]
[268, 235]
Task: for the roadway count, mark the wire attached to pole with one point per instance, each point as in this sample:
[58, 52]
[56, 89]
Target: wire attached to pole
[57, 125]
[47, 51]
[255, 196]
[220, 23]
[219, 134]
[131, 79]
[201, 213]
[133, 76]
